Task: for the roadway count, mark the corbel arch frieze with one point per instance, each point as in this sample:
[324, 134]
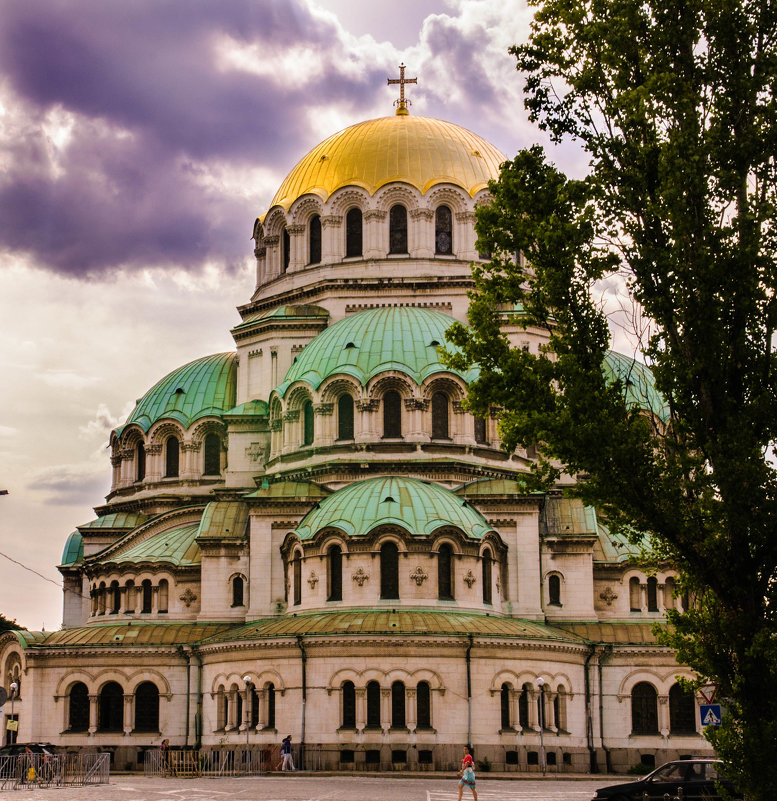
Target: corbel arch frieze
[201, 430]
[159, 433]
[331, 390]
[456, 199]
[298, 395]
[399, 382]
[391, 194]
[455, 389]
[274, 223]
[346, 198]
[303, 209]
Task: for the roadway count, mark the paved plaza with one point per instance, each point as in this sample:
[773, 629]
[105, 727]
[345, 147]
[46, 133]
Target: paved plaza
[317, 788]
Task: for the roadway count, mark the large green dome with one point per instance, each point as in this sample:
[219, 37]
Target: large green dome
[362, 345]
[639, 384]
[202, 388]
[416, 506]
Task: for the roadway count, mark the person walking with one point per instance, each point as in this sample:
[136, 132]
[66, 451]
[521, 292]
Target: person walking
[467, 774]
[287, 762]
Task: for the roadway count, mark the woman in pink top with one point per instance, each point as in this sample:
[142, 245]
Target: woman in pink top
[467, 774]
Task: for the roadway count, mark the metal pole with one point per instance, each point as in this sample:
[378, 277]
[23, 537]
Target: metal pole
[541, 685]
[247, 679]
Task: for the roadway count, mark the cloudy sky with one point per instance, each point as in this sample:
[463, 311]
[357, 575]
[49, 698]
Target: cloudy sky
[138, 143]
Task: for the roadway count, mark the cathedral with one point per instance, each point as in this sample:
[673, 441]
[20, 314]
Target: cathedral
[311, 534]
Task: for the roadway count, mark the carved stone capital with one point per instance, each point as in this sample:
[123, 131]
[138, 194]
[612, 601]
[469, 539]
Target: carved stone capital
[414, 404]
[116, 461]
[367, 404]
[332, 220]
[191, 446]
[151, 450]
[295, 230]
[260, 253]
[276, 425]
[127, 453]
[291, 416]
[323, 408]
[457, 407]
[465, 216]
[375, 214]
[271, 241]
[421, 214]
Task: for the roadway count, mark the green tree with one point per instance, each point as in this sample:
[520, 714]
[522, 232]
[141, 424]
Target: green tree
[674, 103]
[8, 625]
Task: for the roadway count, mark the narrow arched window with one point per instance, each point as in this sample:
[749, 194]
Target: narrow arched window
[147, 707]
[237, 591]
[101, 599]
[349, 705]
[682, 711]
[373, 705]
[652, 594]
[480, 430]
[345, 417]
[486, 565]
[212, 460]
[440, 416]
[285, 250]
[644, 709]
[554, 590]
[172, 449]
[297, 572]
[270, 689]
[635, 602]
[504, 699]
[398, 229]
[423, 697]
[147, 595]
[253, 702]
[110, 708]
[314, 240]
[443, 231]
[222, 709]
[389, 570]
[307, 422]
[445, 572]
[560, 708]
[335, 573]
[398, 705]
[78, 709]
[163, 595]
[392, 415]
[353, 233]
[670, 590]
[523, 706]
[140, 457]
[115, 596]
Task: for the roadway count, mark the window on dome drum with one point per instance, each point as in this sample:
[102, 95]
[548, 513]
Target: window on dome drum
[523, 706]
[162, 596]
[652, 594]
[349, 705]
[212, 460]
[172, 449]
[314, 240]
[353, 233]
[147, 707]
[110, 708]
[554, 590]
[237, 591]
[345, 417]
[443, 231]
[440, 416]
[129, 596]
[335, 573]
[644, 709]
[285, 250]
[398, 229]
[445, 572]
[682, 711]
[78, 708]
[147, 595]
[392, 415]
[222, 709]
[398, 705]
[270, 690]
[140, 461]
[115, 595]
[635, 601]
[389, 570]
[560, 708]
[669, 593]
[307, 421]
[423, 695]
[297, 573]
[504, 702]
[480, 431]
[373, 705]
[101, 599]
[486, 566]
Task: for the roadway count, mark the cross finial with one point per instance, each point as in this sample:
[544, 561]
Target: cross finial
[402, 104]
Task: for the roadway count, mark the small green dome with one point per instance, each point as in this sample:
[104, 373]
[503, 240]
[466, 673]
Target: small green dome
[362, 345]
[201, 388]
[416, 506]
[639, 384]
[74, 549]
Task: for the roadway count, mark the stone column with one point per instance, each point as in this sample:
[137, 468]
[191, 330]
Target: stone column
[385, 709]
[332, 247]
[366, 421]
[375, 246]
[462, 425]
[411, 708]
[190, 467]
[361, 708]
[663, 715]
[129, 706]
[291, 436]
[323, 419]
[154, 461]
[94, 709]
[413, 428]
[420, 233]
[273, 263]
[298, 258]
[464, 235]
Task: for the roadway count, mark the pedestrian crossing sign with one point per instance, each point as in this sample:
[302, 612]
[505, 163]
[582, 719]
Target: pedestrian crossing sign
[710, 714]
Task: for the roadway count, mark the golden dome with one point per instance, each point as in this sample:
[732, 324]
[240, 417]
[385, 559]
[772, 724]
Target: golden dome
[419, 151]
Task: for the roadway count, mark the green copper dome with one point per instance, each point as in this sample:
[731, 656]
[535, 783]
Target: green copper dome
[639, 385]
[74, 549]
[416, 506]
[201, 388]
[362, 345]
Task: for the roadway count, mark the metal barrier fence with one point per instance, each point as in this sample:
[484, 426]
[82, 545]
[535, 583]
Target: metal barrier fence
[44, 770]
[220, 761]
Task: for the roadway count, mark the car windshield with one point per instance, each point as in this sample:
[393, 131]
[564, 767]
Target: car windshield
[673, 772]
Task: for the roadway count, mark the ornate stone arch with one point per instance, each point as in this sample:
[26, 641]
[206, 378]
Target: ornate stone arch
[638, 675]
[384, 382]
[107, 675]
[347, 198]
[389, 533]
[505, 676]
[304, 208]
[297, 396]
[330, 536]
[333, 388]
[431, 676]
[342, 675]
[209, 426]
[453, 387]
[275, 222]
[445, 195]
[148, 674]
[446, 534]
[391, 194]
[160, 432]
[73, 677]
[265, 676]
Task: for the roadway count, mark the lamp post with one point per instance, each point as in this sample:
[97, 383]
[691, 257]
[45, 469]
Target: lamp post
[14, 690]
[541, 685]
[247, 680]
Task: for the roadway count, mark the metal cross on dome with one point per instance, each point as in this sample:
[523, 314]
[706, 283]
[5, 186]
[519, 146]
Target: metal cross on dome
[401, 104]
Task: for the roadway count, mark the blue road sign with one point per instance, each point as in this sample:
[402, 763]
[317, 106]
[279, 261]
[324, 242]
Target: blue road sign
[710, 714]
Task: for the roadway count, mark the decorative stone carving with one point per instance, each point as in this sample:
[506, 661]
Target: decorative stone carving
[271, 241]
[465, 217]
[360, 577]
[498, 584]
[608, 596]
[291, 416]
[335, 221]
[421, 214]
[411, 404]
[457, 407]
[295, 230]
[313, 580]
[115, 461]
[374, 214]
[188, 597]
[260, 253]
[252, 354]
[469, 579]
[276, 425]
[191, 446]
[256, 453]
[367, 404]
[323, 408]
[153, 449]
[418, 575]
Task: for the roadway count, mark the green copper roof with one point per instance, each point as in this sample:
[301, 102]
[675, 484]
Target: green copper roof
[290, 489]
[494, 486]
[363, 345]
[285, 312]
[176, 546]
[115, 520]
[252, 408]
[416, 506]
[132, 633]
[224, 519]
[203, 387]
[639, 385]
[74, 549]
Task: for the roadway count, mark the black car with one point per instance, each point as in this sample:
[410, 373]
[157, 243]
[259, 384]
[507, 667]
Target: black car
[698, 778]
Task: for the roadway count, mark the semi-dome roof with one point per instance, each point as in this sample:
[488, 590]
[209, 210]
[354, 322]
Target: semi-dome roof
[639, 384]
[416, 506]
[201, 388]
[419, 151]
[367, 343]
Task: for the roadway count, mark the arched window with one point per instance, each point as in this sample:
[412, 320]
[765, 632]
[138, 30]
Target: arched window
[110, 708]
[445, 572]
[398, 705]
[115, 597]
[147, 595]
[237, 591]
[670, 588]
[78, 709]
[222, 709]
[398, 229]
[523, 706]
[373, 705]
[560, 708]
[172, 448]
[644, 709]
[314, 240]
[504, 700]
[345, 417]
[140, 461]
[652, 594]
[480, 431]
[443, 231]
[423, 697]
[353, 233]
[212, 460]
[285, 250]
[635, 600]
[238, 701]
[297, 574]
[554, 590]
[349, 705]
[440, 416]
[253, 697]
[162, 596]
[147, 707]
[389, 570]
[101, 599]
[129, 596]
[307, 422]
[392, 415]
[335, 573]
[486, 565]
[270, 689]
[682, 711]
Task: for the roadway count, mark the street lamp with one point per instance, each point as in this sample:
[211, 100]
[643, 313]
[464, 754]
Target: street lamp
[541, 685]
[14, 691]
[247, 680]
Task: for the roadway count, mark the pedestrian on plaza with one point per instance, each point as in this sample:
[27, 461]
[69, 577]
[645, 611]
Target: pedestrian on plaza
[286, 763]
[467, 774]
[164, 750]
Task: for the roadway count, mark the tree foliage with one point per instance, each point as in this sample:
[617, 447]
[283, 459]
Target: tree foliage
[8, 625]
[675, 104]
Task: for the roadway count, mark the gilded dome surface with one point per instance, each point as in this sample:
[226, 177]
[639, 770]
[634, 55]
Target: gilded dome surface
[419, 151]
